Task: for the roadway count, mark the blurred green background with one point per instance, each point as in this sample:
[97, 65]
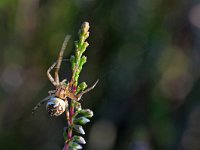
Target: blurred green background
[145, 53]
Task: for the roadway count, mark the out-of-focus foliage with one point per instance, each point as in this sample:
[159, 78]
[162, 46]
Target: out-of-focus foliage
[145, 53]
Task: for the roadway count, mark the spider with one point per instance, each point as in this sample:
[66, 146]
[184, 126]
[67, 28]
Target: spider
[57, 101]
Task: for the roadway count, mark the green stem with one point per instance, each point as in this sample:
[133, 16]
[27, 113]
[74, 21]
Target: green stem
[77, 62]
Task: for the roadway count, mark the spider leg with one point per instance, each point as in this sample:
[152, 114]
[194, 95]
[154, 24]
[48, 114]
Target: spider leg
[51, 92]
[60, 57]
[49, 75]
[40, 103]
[87, 90]
[63, 81]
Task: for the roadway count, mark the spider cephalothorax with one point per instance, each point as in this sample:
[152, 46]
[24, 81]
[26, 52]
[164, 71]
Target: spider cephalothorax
[61, 92]
[57, 101]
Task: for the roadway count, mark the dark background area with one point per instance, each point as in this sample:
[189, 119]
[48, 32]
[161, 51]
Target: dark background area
[145, 53]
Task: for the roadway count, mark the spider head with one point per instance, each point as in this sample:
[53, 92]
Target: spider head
[56, 106]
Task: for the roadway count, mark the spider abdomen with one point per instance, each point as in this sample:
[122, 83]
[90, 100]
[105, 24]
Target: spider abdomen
[56, 106]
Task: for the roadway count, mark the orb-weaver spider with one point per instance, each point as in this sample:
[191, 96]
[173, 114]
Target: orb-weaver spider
[57, 101]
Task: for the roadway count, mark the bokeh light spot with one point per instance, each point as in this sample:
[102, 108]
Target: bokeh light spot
[11, 78]
[102, 136]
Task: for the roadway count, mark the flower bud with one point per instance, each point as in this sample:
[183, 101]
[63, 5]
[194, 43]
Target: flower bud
[82, 120]
[79, 139]
[75, 145]
[87, 113]
[79, 129]
[85, 27]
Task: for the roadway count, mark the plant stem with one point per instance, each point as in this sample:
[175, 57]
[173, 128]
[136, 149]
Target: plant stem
[77, 61]
[70, 123]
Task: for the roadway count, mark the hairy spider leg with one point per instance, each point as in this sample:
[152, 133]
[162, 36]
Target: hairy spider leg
[87, 90]
[42, 102]
[60, 57]
[49, 75]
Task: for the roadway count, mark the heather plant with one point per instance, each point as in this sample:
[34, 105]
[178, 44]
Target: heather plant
[76, 116]
[67, 94]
